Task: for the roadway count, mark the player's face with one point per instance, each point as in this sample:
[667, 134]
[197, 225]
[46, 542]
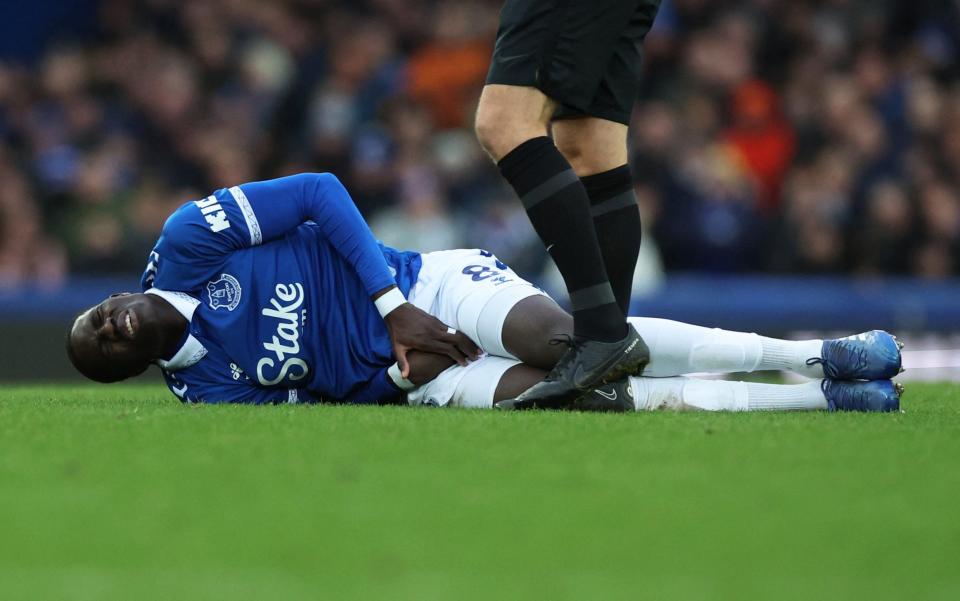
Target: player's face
[118, 338]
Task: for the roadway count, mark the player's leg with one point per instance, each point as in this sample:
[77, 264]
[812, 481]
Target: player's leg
[534, 331]
[515, 380]
[534, 325]
[477, 385]
[493, 379]
[680, 393]
[473, 291]
[678, 348]
[505, 315]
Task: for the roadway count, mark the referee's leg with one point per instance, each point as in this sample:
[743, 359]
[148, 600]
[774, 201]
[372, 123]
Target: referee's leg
[511, 125]
[597, 150]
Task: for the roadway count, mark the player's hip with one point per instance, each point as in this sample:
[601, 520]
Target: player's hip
[470, 290]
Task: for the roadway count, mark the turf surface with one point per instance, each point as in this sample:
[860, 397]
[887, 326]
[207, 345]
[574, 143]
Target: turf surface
[122, 493]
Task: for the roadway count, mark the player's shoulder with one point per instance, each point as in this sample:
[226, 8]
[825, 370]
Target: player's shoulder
[195, 220]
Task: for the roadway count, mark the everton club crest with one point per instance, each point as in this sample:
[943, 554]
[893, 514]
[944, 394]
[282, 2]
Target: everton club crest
[223, 293]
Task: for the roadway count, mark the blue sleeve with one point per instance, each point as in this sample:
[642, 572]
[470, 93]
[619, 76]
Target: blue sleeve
[254, 213]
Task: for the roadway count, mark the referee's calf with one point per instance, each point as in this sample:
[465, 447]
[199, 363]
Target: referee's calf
[575, 63]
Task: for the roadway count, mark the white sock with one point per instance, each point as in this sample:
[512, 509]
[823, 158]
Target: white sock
[679, 348]
[679, 393]
[792, 356]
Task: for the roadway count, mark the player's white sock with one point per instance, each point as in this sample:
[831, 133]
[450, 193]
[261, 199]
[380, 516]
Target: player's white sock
[791, 355]
[679, 393]
[679, 348]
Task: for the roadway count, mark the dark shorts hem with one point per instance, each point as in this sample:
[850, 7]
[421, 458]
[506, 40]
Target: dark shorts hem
[583, 54]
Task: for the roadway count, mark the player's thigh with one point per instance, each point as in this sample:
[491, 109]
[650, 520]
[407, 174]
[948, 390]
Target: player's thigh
[472, 291]
[591, 144]
[558, 46]
[535, 330]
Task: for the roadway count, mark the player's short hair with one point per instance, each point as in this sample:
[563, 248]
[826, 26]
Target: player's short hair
[85, 368]
[71, 353]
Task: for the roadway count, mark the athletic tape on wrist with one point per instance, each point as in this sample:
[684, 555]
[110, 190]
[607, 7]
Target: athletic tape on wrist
[389, 301]
[393, 372]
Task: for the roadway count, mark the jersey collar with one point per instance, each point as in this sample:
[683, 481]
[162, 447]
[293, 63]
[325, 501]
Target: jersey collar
[191, 350]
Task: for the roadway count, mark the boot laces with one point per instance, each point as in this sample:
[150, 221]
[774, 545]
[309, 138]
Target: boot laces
[572, 345]
[844, 353]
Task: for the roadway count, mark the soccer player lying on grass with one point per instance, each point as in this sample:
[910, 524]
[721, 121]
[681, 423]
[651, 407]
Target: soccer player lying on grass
[277, 291]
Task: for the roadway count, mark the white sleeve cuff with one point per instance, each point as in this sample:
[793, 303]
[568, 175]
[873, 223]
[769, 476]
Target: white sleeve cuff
[389, 301]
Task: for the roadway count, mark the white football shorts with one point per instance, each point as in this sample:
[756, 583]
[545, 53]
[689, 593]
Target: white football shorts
[472, 291]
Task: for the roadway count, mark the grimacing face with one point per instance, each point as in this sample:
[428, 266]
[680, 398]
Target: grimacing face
[116, 339]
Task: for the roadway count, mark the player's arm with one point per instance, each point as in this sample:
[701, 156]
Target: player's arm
[389, 385]
[243, 216]
[280, 205]
[251, 214]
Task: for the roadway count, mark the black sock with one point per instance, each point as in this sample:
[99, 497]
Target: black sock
[559, 210]
[616, 220]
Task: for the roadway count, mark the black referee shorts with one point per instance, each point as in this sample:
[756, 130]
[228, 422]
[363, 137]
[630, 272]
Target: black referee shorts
[584, 54]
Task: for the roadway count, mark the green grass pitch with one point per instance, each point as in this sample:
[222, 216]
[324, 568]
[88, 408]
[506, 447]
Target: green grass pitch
[122, 493]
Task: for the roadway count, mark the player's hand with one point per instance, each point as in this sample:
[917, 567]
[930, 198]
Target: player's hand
[414, 329]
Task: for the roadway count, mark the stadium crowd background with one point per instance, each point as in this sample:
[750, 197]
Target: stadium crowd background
[790, 136]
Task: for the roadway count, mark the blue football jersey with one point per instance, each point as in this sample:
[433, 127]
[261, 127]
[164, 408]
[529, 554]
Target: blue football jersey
[276, 280]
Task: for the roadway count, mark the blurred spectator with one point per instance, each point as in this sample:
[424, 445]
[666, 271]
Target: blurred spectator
[882, 244]
[26, 253]
[785, 135]
[446, 74]
[763, 139]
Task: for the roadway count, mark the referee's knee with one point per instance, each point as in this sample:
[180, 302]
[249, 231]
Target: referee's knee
[507, 118]
[493, 132]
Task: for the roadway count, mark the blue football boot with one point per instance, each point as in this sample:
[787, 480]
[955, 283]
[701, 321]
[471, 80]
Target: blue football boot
[878, 395]
[873, 355]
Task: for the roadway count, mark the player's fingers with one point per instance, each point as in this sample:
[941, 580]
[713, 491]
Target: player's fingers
[466, 346]
[454, 353]
[401, 353]
[463, 343]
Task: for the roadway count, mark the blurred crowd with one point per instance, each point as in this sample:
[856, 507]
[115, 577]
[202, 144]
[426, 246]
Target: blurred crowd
[793, 136]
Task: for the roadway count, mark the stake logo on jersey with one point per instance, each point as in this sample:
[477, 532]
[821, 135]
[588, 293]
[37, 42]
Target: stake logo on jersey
[224, 293]
[285, 308]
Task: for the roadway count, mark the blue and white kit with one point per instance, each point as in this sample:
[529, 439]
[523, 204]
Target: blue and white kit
[276, 278]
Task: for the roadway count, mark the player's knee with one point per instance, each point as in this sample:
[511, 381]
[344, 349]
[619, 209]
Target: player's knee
[532, 331]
